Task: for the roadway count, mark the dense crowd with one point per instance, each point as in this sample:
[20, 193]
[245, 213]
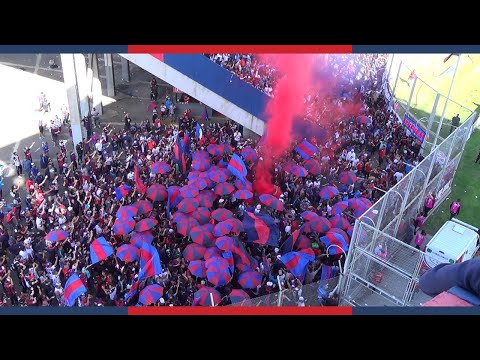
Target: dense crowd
[82, 191]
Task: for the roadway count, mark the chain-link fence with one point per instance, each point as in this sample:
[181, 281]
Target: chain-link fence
[315, 294]
[382, 268]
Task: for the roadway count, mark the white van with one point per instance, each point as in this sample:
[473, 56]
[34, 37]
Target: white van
[455, 242]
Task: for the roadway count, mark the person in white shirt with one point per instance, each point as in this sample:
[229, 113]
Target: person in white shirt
[98, 146]
[398, 176]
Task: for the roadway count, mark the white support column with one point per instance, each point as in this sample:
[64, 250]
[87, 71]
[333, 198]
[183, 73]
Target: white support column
[125, 70]
[96, 86]
[82, 85]
[70, 81]
[110, 75]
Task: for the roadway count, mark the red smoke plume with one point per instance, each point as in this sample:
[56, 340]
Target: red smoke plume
[300, 74]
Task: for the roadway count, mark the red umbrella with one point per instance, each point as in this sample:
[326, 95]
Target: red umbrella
[309, 215]
[339, 207]
[201, 164]
[123, 227]
[188, 206]
[157, 192]
[298, 171]
[211, 253]
[272, 201]
[218, 176]
[189, 191]
[222, 214]
[328, 192]
[197, 268]
[194, 252]
[346, 237]
[225, 243]
[202, 215]
[184, 227]
[145, 224]
[237, 225]
[243, 194]
[238, 295]
[320, 225]
[312, 166]
[224, 189]
[347, 177]
[240, 185]
[203, 297]
[202, 235]
[205, 201]
[126, 212]
[340, 222]
[143, 206]
[160, 167]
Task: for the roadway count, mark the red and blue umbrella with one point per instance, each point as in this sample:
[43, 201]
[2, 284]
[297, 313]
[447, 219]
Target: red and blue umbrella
[272, 202]
[340, 222]
[218, 273]
[126, 212]
[347, 178]
[222, 214]
[203, 297]
[225, 243]
[179, 216]
[345, 236]
[200, 154]
[359, 212]
[202, 215]
[197, 268]
[243, 194]
[218, 176]
[298, 171]
[123, 227]
[194, 252]
[250, 279]
[184, 227]
[205, 201]
[160, 167]
[128, 253]
[212, 252]
[188, 205]
[238, 295]
[303, 242]
[339, 207]
[199, 183]
[225, 148]
[224, 189]
[143, 206]
[237, 225]
[320, 225]
[146, 224]
[359, 203]
[312, 166]
[138, 239]
[309, 215]
[243, 185]
[222, 228]
[337, 240]
[249, 154]
[328, 192]
[150, 294]
[202, 236]
[201, 164]
[57, 235]
[157, 192]
[189, 191]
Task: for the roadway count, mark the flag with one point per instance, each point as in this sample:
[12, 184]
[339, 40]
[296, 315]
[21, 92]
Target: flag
[306, 150]
[205, 114]
[237, 167]
[198, 132]
[73, 289]
[291, 241]
[266, 264]
[122, 191]
[241, 255]
[100, 249]
[133, 290]
[328, 272]
[261, 229]
[174, 198]
[449, 56]
[141, 188]
[179, 156]
[149, 262]
[297, 262]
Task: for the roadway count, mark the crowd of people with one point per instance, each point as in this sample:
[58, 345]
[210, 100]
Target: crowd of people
[248, 67]
[82, 191]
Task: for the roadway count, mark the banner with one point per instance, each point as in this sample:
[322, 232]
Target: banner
[414, 128]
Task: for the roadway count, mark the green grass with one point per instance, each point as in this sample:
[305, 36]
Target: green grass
[466, 187]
